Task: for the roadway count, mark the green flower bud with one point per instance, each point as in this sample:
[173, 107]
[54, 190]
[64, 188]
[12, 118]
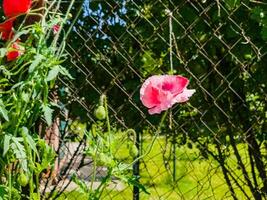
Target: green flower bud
[100, 113]
[22, 180]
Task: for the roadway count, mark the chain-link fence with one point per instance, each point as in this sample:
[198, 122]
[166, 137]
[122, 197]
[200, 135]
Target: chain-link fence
[215, 147]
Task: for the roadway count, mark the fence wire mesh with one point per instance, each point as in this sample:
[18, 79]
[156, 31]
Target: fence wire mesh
[215, 147]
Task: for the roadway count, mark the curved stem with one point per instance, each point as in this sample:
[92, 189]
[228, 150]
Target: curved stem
[152, 143]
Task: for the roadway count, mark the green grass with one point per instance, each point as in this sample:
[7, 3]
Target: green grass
[74, 195]
[196, 178]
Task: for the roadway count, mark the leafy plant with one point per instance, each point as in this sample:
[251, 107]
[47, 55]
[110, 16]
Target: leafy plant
[30, 62]
[110, 148]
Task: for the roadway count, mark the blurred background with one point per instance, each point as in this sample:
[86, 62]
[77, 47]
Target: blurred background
[216, 146]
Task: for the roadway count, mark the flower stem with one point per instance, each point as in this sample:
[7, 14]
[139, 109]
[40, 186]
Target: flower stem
[107, 119]
[153, 141]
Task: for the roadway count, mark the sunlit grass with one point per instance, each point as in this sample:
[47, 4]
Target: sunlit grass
[196, 177]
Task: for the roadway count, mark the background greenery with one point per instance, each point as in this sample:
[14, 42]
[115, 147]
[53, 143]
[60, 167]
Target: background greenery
[220, 45]
[190, 167]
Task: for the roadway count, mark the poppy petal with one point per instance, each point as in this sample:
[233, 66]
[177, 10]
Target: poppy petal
[14, 8]
[14, 52]
[6, 30]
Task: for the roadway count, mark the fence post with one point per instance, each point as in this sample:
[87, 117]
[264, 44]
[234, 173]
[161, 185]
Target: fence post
[136, 169]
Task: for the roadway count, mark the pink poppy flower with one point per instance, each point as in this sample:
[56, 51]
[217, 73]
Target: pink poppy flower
[14, 51]
[6, 30]
[161, 92]
[14, 8]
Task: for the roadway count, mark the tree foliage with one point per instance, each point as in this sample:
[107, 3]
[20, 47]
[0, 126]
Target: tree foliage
[221, 45]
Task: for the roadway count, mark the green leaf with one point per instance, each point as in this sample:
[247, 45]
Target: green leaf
[55, 105]
[18, 146]
[4, 80]
[150, 64]
[19, 34]
[65, 72]
[7, 139]
[257, 14]
[19, 152]
[48, 114]
[232, 4]
[52, 74]
[37, 60]
[134, 181]
[2, 52]
[38, 169]
[48, 155]
[35, 196]
[25, 96]
[3, 111]
[17, 85]
[3, 192]
[29, 140]
[82, 185]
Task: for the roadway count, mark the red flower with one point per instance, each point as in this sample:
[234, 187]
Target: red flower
[14, 8]
[14, 51]
[56, 29]
[6, 30]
